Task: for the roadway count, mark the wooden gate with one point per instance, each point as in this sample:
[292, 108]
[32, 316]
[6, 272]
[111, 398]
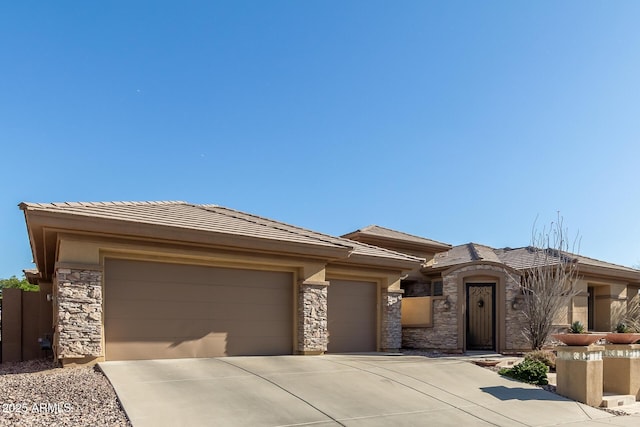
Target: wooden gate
[481, 316]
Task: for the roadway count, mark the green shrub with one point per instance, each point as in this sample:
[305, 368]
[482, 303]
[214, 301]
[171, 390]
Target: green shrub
[576, 328]
[528, 371]
[623, 328]
[546, 357]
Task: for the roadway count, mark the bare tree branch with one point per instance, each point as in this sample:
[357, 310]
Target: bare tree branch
[548, 283]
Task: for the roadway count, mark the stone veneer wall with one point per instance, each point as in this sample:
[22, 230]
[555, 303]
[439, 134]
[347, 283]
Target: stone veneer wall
[79, 313]
[443, 335]
[514, 318]
[391, 339]
[313, 333]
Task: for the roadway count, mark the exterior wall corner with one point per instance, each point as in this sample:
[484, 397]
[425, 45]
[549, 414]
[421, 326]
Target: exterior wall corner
[391, 324]
[78, 313]
[312, 332]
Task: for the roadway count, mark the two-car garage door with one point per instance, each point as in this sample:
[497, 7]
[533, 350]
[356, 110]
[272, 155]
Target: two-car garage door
[157, 310]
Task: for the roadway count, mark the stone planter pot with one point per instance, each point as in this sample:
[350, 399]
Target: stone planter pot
[578, 339]
[622, 338]
[486, 363]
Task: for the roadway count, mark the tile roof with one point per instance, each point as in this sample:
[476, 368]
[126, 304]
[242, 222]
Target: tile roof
[211, 218]
[516, 258]
[485, 253]
[524, 257]
[463, 254]
[378, 231]
[527, 257]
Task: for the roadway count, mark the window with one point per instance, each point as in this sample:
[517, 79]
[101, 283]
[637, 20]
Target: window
[416, 288]
[437, 287]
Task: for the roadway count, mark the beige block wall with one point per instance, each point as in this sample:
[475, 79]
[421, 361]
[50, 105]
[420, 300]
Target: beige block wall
[621, 369]
[416, 312]
[577, 378]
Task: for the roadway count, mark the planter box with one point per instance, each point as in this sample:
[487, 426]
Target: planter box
[578, 339]
[622, 369]
[623, 338]
[579, 373]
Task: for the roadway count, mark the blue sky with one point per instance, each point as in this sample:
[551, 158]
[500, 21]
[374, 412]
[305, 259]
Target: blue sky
[459, 121]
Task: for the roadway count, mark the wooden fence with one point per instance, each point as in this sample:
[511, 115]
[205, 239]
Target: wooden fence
[27, 319]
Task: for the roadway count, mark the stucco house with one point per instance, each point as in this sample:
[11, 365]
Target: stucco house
[152, 280]
[467, 297]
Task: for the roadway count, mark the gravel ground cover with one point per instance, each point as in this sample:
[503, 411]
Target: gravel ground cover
[34, 393]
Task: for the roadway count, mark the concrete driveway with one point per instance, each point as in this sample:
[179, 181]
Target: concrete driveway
[349, 390]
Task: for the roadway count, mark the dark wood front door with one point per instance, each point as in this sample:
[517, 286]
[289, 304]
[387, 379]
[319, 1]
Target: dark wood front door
[481, 316]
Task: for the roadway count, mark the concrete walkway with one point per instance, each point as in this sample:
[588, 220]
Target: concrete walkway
[332, 390]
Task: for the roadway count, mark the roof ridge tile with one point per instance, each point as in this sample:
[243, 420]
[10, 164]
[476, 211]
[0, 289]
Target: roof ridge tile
[103, 203]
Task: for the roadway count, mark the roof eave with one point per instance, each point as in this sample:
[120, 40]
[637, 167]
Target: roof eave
[34, 243]
[40, 221]
[379, 262]
[400, 243]
[445, 269]
[612, 273]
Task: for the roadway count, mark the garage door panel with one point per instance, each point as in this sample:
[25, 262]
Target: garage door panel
[165, 273]
[254, 293]
[197, 310]
[123, 329]
[193, 311]
[352, 318]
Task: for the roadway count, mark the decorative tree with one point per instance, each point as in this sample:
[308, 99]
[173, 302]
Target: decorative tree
[548, 282]
[14, 282]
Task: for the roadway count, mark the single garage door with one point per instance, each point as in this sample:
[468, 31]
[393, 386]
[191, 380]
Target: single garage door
[351, 316]
[160, 311]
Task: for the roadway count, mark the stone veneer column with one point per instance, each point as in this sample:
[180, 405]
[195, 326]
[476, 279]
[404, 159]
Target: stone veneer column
[391, 336]
[79, 313]
[579, 373]
[622, 369]
[313, 335]
[514, 317]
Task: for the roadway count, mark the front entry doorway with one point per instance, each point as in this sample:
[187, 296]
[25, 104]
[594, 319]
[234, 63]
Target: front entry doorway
[481, 316]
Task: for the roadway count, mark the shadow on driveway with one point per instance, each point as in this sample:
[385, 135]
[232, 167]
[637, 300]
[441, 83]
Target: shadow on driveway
[518, 393]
